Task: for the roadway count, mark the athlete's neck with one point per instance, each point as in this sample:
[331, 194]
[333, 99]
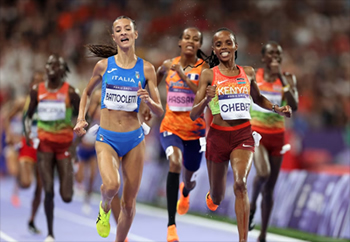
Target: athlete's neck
[187, 61]
[53, 85]
[228, 66]
[126, 58]
[268, 76]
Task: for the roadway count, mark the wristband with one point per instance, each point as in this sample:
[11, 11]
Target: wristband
[80, 119]
[286, 88]
[273, 108]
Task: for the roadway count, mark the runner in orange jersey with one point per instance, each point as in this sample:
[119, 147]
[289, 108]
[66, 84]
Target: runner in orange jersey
[182, 139]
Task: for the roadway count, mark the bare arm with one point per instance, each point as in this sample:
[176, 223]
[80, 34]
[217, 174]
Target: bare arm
[13, 111]
[74, 99]
[162, 71]
[291, 95]
[260, 99]
[204, 94]
[30, 112]
[153, 99]
[96, 78]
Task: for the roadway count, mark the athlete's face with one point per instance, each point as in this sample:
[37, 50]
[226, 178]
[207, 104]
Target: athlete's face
[124, 33]
[224, 45]
[190, 42]
[53, 67]
[273, 53]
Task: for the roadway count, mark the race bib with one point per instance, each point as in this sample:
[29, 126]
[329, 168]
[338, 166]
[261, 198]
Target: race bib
[234, 106]
[180, 100]
[121, 98]
[274, 97]
[51, 110]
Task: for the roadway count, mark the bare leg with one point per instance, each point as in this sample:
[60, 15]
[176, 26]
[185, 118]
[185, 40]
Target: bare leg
[218, 175]
[132, 180]
[262, 166]
[46, 165]
[116, 208]
[66, 175]
[37, 194]
[108, 164]
[241, 161]
[267, 194]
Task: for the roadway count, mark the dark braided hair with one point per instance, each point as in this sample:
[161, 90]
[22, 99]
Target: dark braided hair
[107, 50]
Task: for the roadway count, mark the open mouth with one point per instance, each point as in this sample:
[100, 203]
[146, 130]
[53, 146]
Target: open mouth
[224, 54]
[189, 47]
[124, 39]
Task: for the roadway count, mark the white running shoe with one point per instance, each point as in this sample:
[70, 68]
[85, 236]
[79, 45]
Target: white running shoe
[49, 239]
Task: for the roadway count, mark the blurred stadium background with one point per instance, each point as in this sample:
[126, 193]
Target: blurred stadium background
[315, 36]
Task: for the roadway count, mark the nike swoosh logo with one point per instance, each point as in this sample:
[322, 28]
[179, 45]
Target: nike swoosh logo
[41, 96]
[246, 145]
[222, 81]
[113, 69]
[140, 136]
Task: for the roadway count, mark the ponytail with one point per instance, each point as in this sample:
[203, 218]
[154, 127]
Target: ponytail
[103, 51]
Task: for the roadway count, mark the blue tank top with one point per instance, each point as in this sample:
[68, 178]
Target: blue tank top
[119, 86]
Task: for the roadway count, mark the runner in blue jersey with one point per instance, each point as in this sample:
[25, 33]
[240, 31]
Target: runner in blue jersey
[120, 135]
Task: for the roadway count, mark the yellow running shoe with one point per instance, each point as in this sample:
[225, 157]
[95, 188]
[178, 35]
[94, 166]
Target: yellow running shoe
[210, 203]
[184, 202]
[172, 234]
[102, 223]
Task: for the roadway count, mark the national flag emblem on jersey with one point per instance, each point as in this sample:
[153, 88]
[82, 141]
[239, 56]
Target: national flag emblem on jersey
[193, 76]
[101, 137]
[137, 74]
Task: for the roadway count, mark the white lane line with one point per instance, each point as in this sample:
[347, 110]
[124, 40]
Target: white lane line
[5, 237]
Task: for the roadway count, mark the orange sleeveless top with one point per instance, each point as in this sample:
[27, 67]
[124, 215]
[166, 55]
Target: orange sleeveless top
[180, 100]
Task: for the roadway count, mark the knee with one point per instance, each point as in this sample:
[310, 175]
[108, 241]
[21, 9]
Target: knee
[175, 165]
[111, 186]
[262, 178]
[49, 195]
[24, 183]
[128, 208]
[267, 192]
[240, 186]
[67, 196]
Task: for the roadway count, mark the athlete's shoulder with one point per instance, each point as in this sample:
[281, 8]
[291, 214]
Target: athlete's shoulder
[102, 64]
[290, 77]
[248, 70]
[207, 75]
[167, 63]
[148, 66]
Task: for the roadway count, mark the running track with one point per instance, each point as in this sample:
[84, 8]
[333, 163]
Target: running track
[70, 224]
